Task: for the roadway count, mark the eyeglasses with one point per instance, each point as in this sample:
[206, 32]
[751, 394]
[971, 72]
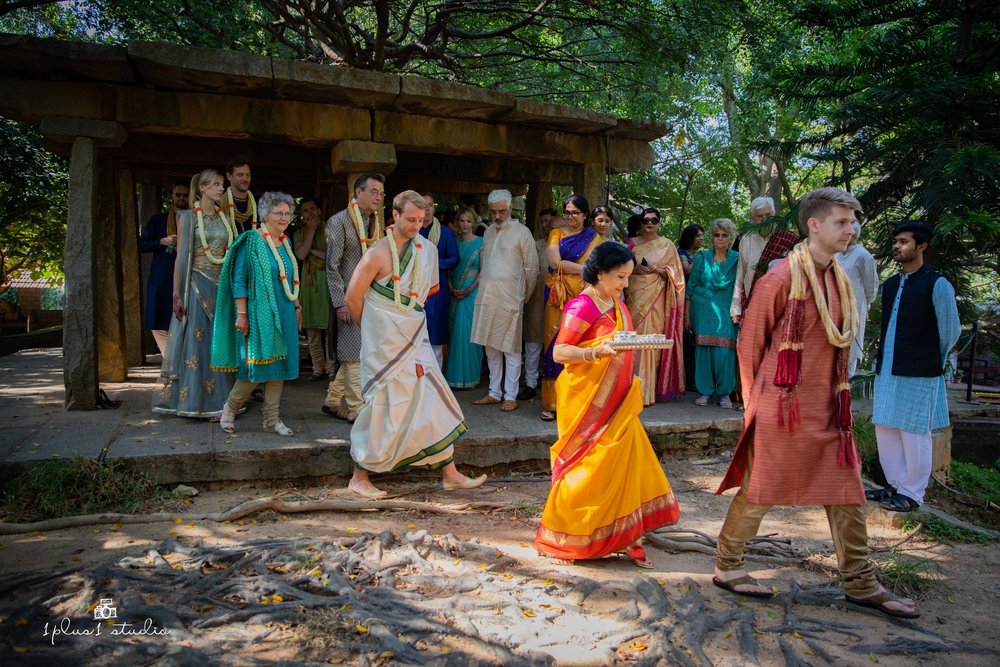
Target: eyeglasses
[281, 214]
[572, 213]
[373, 192]
[720, 235]
[650, 220]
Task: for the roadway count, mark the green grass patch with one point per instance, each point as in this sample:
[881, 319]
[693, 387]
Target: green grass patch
[907, 576]
[976, 481]
[941, 531]
[51, 489]
[864, 436]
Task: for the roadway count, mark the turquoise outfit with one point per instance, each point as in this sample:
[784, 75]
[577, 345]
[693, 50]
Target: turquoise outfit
[271, 350]
[710, 289]
[465, 358]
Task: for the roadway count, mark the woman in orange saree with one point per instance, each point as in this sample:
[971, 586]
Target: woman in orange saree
[656, 297]
[567, 249]
[608, 487]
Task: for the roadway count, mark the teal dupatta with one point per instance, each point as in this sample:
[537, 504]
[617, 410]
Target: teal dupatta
[265, 344]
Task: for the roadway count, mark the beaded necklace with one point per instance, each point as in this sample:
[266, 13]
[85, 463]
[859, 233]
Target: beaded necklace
[293, 292]
[397, 273]
[230, 233]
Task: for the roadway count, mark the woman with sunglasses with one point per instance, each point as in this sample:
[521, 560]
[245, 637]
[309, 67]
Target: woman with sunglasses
[656, 300]
[567, 249]
[709, 293]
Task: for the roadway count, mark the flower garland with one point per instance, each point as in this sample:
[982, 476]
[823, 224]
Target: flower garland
[293, 292]
[354, 211]
[230, 233]
[251, 209]
[397, 273]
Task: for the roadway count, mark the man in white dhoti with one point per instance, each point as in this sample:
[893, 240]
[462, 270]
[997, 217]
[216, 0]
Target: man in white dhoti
[409, 417]
[859, 265]
[507, 275]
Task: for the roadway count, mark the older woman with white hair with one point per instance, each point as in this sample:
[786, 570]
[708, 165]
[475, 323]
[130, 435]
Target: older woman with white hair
[257, 317]
[861, 269]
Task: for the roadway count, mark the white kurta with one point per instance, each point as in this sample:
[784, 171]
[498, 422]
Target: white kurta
[860, 267]
[751, 248]
[506, 280]
[409, 416]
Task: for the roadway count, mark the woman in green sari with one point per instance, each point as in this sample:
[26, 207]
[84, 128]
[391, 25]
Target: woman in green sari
[709, 293]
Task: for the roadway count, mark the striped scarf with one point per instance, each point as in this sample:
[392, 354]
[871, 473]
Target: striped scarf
[788, 374]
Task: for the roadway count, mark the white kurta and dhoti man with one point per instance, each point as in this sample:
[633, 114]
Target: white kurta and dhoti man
[409, 417]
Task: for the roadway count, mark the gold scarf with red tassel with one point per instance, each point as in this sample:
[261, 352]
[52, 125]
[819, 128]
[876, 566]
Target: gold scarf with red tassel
[789, 372]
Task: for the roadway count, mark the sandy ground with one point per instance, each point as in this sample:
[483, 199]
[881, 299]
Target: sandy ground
[961, 612]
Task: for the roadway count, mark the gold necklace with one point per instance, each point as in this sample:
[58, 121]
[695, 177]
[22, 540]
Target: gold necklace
[603, 305]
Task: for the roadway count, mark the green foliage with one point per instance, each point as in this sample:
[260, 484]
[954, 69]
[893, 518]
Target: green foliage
[976, 481]
[51, 489]
[940, 530]
[864, 436]
[33, 191]
[908, 576]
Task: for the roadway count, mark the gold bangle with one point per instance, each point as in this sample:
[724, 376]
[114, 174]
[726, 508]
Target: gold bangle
[241, 312]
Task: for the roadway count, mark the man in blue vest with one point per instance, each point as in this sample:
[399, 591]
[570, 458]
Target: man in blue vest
[919, 326]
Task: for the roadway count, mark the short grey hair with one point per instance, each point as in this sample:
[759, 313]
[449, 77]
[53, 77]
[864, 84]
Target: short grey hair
[501, 196]
[760, 202]
[269, 199]
[726, 225]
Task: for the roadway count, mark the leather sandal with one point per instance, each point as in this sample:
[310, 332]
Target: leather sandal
[280, 429]
[745, 580]
[638, 556]
[878, 601]
[548, 416]
[508, 406]
[878, 495]
[487, 400]
[899, 503]
[227, 422]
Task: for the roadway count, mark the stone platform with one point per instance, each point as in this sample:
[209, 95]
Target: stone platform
[34, 426]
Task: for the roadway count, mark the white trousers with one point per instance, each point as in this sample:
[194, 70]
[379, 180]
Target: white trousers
[532, 363]
[439, 355]
[161, 337]
[505, 368]
[905, 459]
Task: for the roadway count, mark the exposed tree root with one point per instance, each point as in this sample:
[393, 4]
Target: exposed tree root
[414, 599]
[272, 503]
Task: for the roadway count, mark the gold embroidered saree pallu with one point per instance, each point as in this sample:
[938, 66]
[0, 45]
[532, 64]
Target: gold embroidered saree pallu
[608, 487]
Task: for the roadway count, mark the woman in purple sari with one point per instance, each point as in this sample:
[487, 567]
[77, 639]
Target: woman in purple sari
[567, 249]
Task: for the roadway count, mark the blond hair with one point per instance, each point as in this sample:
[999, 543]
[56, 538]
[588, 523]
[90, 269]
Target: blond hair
[405, 197]
[818, 204]
[201, 178]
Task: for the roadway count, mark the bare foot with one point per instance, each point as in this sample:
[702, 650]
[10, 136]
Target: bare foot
[364, 487]
[451, 479]
[751, 589]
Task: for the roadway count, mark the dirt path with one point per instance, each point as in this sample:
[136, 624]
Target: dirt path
[402, 587]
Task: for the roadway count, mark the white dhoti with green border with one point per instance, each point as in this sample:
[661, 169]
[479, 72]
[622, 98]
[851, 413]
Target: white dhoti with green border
[409, 416]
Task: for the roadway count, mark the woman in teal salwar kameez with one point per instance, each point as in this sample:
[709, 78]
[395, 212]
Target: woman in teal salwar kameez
[258, 315]
[465, 358]
[709, 293]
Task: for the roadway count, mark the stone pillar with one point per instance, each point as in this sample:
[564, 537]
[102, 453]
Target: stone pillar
[108, 279]
[351, 158]
[128, 229]
[79, 313]
[539, 198]
[87, 250]
[590, 180]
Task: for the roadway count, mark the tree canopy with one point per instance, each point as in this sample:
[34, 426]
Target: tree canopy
[896, 101]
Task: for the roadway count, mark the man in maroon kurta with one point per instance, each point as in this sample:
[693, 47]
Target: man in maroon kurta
[808, 458]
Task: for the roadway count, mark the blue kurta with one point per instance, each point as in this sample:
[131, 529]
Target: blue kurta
[280, 369]
[438, 307]
[160, 285]
[916, 404]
